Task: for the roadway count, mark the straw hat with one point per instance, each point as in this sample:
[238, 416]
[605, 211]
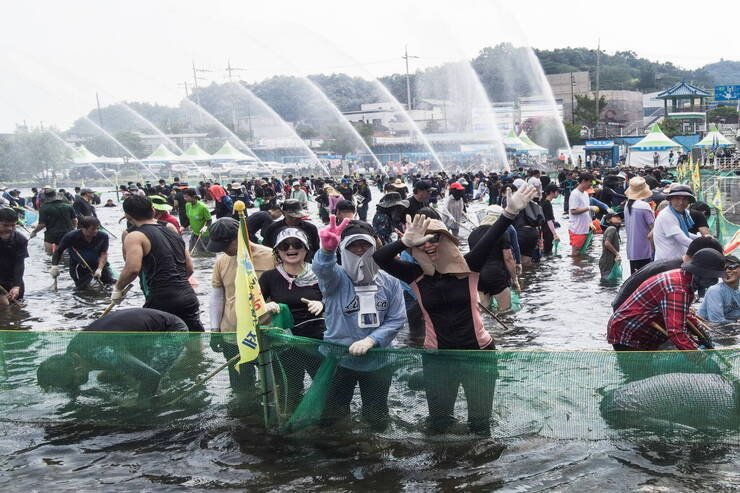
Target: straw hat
[638, 189]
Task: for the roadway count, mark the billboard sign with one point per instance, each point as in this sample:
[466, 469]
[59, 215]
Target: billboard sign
[727, 93]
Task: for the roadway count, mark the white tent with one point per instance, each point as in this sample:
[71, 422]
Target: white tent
[511, 141]
[714, 140]
[530, 145]
[642, 154]
[230, 153]
[195, 153]
[161, 155]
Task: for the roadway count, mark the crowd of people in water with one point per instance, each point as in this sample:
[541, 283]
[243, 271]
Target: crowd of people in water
[424, 259]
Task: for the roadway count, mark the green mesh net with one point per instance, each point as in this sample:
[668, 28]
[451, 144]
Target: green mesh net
[396, 393]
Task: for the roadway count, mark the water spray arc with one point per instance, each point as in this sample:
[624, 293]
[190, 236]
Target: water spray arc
[249, 94]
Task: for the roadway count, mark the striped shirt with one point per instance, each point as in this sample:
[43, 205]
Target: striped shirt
[664, 298]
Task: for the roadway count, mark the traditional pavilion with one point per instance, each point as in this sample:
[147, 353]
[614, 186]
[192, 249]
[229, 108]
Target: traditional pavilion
[687, 106]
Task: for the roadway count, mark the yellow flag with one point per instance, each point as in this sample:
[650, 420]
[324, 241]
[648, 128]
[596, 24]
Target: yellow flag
[717, 201]
[249, 302]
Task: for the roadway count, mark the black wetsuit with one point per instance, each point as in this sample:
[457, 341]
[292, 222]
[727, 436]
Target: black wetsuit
[164, 274]
[13, 253]
[90, 251]
[494, 276]
[143, 357]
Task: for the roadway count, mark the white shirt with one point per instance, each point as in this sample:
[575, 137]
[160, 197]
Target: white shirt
[579, 223]
[669, 240]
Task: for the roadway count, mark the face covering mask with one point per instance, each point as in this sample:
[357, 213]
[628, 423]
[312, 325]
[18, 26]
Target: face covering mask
[362, 271]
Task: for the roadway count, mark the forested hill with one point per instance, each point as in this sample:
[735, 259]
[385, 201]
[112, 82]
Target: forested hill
[625, 70]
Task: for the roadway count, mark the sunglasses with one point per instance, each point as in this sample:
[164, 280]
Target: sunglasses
[435, 238]
[732, 266]
[286, 245]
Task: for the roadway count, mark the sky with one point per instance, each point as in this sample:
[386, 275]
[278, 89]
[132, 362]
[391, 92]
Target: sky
[55, 56]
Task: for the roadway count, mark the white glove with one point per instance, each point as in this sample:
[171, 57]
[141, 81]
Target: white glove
[272, 307]
[518, 200]
[54, 271]
[314, 306]
[116, 296]
[98, 273]
[610, 210]
[415, 229]
[203, 230]
[519, 269]
[358, 348]
[617, 258]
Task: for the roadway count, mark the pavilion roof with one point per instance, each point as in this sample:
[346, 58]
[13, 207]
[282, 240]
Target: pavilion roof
[682, 90]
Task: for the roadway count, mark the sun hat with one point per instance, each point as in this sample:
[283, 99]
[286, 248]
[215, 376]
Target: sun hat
[706, 263]
[159, 203]
[292, 208]
[392, 199]
[221, 233]
[679, 190]
[638, 189]
[287, 233]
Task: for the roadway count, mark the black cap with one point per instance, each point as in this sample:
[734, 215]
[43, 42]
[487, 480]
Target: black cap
[355, 227]
[422, 185]
[706, 263]
[221, 233]
[345, 205]
[550, 188]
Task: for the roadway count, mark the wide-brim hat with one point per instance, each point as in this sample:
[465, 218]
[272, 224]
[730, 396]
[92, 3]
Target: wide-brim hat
[392, 199]
[638, 189]
[706, 263]
[437, 226]
[159, 203]
[678, 190]
[292, 208]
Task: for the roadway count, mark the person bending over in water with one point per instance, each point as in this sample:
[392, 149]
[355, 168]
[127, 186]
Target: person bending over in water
[144, 361]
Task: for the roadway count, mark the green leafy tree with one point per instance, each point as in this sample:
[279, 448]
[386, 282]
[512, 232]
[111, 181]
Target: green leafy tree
[585, 112]
[670, 127]
[573, 132]
[726, 113]
[37, 154]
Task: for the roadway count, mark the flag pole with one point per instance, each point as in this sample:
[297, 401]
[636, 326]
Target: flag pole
[264, 357]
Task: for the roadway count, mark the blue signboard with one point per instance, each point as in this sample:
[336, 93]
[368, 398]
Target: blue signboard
[727, 93]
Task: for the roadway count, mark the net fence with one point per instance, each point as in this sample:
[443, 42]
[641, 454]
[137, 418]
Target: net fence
[113, 379]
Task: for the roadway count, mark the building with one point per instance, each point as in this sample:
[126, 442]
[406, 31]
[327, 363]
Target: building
[623, 113]
[566, 87]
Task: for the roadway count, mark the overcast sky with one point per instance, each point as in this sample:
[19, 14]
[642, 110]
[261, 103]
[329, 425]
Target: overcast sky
[55, 55]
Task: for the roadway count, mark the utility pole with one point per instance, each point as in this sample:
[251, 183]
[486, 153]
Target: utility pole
[187, 96]
[100, 114]
[572, 100]
[598, 61]
[196, 77]
[408, 79]
[229, 70]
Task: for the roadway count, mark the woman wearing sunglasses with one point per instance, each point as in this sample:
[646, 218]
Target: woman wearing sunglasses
[446, 284]
[293, 283]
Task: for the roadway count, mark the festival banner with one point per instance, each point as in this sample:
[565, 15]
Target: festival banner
[249, 302]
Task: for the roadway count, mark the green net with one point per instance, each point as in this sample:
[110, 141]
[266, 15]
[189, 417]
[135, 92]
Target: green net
[396, 393]
[615, 274]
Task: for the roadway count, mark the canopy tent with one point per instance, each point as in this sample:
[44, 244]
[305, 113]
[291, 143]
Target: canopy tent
[82, 155]
[511, 141]
[195, 153]
[530, 145]
[643, 153]
[161, 154]
[714, 140]
[230, 153]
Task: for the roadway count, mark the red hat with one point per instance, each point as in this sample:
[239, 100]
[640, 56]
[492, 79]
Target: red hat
[456, 186]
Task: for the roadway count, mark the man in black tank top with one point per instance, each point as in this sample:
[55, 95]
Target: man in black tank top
[160, 256]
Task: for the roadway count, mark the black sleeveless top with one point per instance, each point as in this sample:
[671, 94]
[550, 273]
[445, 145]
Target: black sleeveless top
[163, 268]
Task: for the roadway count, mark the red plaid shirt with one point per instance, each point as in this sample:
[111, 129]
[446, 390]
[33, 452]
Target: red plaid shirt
[665, 299]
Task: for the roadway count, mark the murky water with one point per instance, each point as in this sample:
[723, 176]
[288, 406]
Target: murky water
[564, 307]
